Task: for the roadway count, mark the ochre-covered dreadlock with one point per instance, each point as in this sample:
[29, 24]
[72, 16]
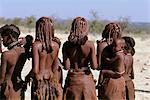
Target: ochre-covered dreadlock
[112, 30]
[79, 31]
[45, 32]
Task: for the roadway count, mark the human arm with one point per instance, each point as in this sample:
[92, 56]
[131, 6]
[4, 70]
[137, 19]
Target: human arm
[111, 60]
[110, 74]
[3, 67]
[55, 66]
[93, 57]
[132, 71]
[105, 73]
[99, 53]
[66, 61]
[35, 63]
[101, 48]
[29, 77]
[35, 66]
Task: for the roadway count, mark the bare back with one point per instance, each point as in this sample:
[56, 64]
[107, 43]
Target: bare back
[79, 56]
[129, 73]
[44, 63]
[9, 60]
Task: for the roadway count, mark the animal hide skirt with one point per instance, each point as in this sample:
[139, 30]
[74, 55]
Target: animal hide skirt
[44, 90]
[112, 89]
[79, 86]
[7, 92]
[130, 93]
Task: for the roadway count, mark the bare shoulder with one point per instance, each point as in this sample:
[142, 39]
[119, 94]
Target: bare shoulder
[57, 40]
[36, 45]
[55, 45]
[89, 43]
[5, 54]
[102, 44]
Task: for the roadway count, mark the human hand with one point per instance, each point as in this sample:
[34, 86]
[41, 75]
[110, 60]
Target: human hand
[28, 79]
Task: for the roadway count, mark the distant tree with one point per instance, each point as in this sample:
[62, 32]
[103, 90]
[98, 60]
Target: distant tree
[2, 20]
[124, 22]
[30, 22]
[8, 21]
[61, 24]
[95, 24]
[68, 23]
[94, 14]
[17, 21]
[58, 22]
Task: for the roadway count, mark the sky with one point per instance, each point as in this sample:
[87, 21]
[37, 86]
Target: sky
[135, 10]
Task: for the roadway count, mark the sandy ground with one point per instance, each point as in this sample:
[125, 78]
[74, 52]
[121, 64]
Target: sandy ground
[141, 66]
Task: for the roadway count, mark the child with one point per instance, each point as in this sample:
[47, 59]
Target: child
[129, 73]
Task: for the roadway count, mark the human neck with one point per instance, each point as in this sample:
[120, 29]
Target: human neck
[13, 44]
[129, 54]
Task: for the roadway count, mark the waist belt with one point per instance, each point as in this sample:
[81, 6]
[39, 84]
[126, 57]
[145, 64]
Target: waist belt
[86, 70]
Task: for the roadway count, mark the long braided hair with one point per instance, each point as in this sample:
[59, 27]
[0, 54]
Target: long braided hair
[112, 30]
[79, 31]
[45, 32]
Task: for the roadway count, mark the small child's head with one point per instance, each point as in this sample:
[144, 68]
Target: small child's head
[118, 45]
[129, 45]
[29, 40]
